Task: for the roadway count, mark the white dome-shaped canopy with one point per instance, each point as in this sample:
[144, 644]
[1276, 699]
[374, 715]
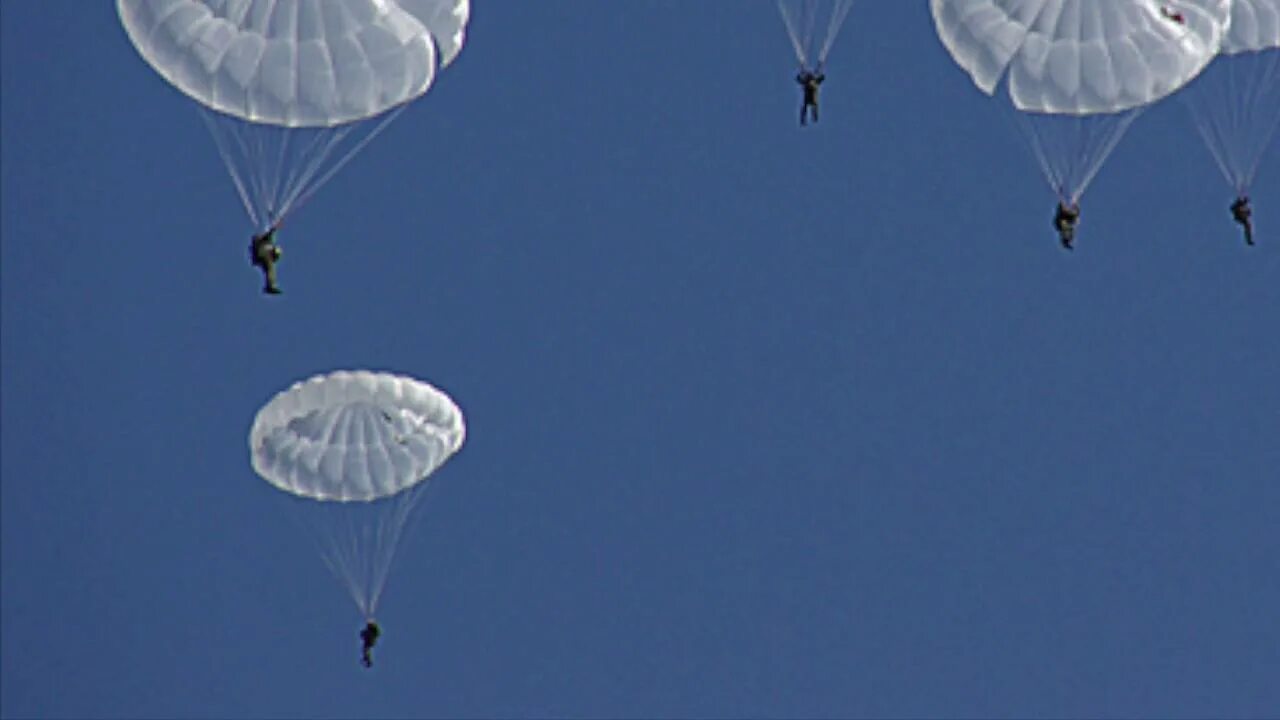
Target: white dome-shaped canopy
[354, 435]
[1081, 56]
[447, 21]
[1255, 25]
[296, 63]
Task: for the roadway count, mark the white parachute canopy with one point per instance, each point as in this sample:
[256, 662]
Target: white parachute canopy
[1235, 103]
[812, 26]
[283, 83]
[356, 447]
[1080, 71]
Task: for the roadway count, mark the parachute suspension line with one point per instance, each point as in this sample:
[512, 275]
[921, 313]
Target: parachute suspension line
[321, 525]
[342, 557]
[311, 159]
[357, 541]
[255, 156]
[1215, 110]
[793, 30]
[838, 15]
[1048, 168]
[1235, 106]
[389, 535]
[802, 20]
[272, 183]
[308, 187]
[276, 170]
[1072, 148]
[1265, 104]
[1255, 78]
[811, 8]
[233, 169]
[1215, 130]
[1101, 136]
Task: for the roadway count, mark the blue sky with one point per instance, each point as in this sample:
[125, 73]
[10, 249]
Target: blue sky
[761, 421]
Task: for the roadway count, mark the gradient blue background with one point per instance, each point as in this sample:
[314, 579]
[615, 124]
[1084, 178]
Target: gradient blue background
[762, 421]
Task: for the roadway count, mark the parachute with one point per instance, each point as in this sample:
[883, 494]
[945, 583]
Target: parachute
[291, 91]
[1235, 103]
[812, 26]
[354, 449]
[1079, 72]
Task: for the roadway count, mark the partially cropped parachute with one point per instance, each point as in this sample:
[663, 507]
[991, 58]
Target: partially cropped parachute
[284, 83]
[1079, 71]
[355, 448]
[1235, 103]
[812, 26]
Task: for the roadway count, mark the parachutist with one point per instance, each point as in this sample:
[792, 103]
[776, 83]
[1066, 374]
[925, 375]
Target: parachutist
[810, 80]
[368, 636]
[1243, 214]
[264, 253]
[1065, 223]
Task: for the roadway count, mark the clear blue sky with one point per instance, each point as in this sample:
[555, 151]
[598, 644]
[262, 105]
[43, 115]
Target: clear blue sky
[762, 421]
